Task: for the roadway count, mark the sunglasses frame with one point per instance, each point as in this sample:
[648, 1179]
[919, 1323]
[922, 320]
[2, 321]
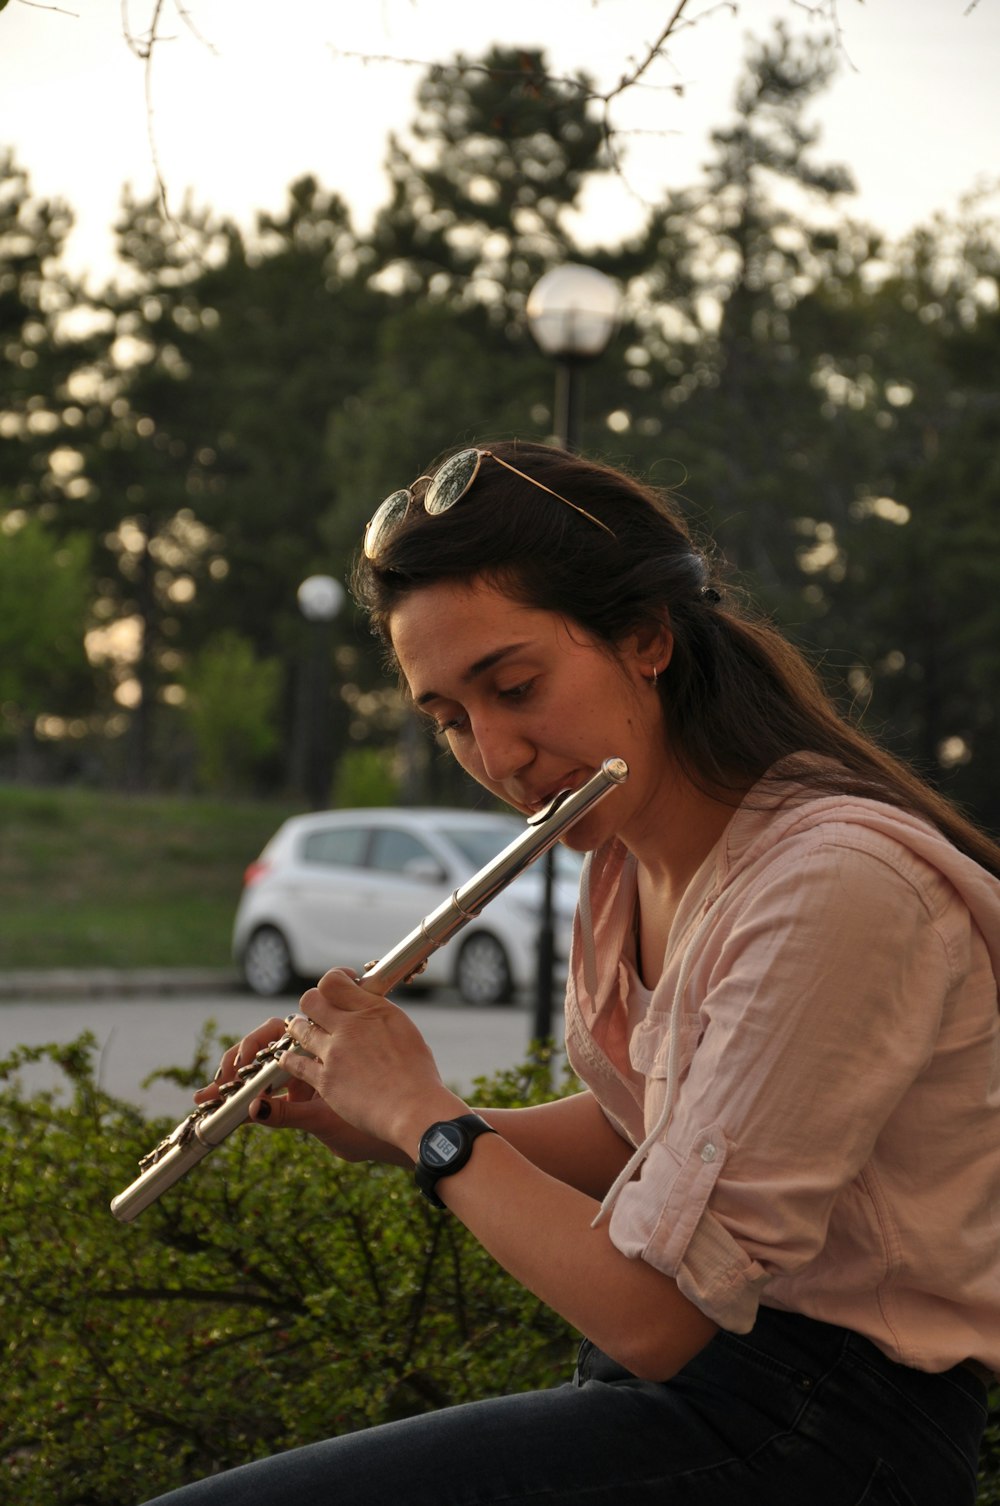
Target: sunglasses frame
[395, 506]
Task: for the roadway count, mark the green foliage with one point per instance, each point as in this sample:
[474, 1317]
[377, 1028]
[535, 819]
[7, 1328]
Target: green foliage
[44, 587]
[233, 704]
[364, 777]
[272, 1298]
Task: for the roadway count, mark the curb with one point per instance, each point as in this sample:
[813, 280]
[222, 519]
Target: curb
[108, 982]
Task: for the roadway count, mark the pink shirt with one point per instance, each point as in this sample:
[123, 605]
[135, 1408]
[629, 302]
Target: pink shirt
[814, 1083]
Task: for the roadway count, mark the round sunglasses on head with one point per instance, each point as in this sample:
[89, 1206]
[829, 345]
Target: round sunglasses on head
[447, 486]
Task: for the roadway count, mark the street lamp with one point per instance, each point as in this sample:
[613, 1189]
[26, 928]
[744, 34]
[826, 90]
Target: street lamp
[572, 313]
[320, 598]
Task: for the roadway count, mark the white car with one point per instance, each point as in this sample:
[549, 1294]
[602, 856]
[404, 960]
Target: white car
[339, 888]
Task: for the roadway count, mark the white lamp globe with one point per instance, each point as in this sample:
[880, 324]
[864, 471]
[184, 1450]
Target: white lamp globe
[320, 598]
[573, 312]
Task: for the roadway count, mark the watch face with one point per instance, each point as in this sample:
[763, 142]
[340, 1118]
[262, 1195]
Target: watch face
[441, 1144]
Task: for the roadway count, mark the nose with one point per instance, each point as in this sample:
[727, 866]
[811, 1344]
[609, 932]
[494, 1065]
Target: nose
[503, 749]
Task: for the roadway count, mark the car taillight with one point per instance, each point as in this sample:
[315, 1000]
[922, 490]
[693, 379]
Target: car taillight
[255, 871]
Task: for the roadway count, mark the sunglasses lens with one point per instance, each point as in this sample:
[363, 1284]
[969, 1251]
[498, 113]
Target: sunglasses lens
[452, 482]
[388, 516]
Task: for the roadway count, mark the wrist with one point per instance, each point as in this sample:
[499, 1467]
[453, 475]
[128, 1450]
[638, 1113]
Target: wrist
[412, 1120]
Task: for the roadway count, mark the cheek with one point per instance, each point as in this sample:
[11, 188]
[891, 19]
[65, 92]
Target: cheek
[465, 752]
[606, 706]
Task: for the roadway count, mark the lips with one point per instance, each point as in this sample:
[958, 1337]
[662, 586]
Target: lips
[571, 781]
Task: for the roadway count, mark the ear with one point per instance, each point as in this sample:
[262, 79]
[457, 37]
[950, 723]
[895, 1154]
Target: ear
[649, 648]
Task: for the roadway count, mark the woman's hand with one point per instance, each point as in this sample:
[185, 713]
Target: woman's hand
[298, 1106]
[367, 1063]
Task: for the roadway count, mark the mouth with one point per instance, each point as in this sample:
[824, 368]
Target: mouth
[535, 803]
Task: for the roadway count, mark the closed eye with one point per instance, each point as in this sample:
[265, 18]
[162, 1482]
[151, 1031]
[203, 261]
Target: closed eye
[440, 725]
[517, 692]
[452, 725]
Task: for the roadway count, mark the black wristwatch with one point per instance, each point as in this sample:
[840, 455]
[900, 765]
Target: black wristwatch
[444, 1149]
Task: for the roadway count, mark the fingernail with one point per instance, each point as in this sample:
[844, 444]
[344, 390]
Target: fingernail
[218, 1075]
[263, 1111]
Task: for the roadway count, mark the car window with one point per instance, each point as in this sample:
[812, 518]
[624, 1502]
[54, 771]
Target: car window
[393, 851]
[481, 843]
[339, 846]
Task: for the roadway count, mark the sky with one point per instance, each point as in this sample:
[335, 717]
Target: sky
[237, 110]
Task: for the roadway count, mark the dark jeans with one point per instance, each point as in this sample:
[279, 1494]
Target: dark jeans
[797, 1413]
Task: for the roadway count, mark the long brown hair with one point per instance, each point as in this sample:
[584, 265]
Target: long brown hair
[737, 696]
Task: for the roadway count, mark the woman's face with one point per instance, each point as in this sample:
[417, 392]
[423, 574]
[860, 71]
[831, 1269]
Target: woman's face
[531, 704]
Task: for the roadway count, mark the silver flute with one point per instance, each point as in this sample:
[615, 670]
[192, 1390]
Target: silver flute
[208, 1125]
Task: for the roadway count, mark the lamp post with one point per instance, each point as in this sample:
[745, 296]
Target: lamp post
[572, 312]
[320, 598]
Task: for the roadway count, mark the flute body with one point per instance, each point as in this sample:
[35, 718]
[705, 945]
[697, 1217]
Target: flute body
[207, 1126]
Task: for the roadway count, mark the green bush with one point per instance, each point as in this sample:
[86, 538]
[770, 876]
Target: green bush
[272, 1298]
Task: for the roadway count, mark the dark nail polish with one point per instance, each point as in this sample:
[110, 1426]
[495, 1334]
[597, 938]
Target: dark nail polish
[263, 1111]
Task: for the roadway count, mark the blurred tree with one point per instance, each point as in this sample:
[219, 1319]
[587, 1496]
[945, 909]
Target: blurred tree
[232, 701]
[153, 551]
[284, 343]
[913, 563]
[36, 355]
[728, 261]
[45, 592]
[226, 362]
[832, 399]
[479, 201]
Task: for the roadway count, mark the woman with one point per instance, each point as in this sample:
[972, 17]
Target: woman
[772, 1210]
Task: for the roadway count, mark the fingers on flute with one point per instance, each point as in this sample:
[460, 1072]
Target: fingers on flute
[241, 1055]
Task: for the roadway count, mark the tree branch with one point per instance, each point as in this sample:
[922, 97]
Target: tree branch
[143, 49]
[59, 9]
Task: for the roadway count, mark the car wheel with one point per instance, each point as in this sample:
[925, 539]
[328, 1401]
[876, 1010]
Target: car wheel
[267, 963]
[482, 974]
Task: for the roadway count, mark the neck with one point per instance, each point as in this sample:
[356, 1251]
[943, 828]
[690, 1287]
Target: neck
[679, 828]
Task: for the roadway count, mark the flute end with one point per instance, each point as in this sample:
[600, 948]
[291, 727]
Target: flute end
[615, 769]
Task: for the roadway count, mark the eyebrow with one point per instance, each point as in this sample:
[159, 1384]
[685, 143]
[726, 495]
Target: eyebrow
[488, 661]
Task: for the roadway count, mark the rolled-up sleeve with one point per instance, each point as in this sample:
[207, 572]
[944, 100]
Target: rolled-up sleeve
[818, 995]
[685, 1240]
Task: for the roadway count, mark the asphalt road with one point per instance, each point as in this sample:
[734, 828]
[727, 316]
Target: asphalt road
[139, 1034]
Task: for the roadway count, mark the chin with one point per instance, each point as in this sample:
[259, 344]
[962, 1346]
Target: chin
[587, 833]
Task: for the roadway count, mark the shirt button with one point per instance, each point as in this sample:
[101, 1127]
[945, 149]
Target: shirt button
[708, 1151]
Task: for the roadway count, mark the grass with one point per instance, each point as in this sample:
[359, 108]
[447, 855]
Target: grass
[98, 880]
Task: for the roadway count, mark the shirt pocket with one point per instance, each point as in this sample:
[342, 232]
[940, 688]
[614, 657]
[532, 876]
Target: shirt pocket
[649, 1053]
